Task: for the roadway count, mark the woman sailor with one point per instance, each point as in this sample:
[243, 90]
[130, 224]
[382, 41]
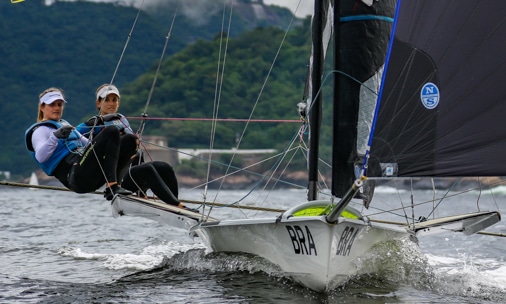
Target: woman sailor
[80, 164]
[155, 175]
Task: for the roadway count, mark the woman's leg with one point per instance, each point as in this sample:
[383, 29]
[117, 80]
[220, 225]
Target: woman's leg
[128, 147]
[134, 185]
[166, 172]
[146, 175]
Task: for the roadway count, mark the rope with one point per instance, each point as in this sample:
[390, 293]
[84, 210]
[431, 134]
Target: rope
[22, 185]
[212, 119]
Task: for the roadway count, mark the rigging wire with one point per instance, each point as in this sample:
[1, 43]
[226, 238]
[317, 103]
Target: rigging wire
[446, 195]
[260, 93]
[111, 82]
[478, 198]
[212, 119]
[237, 169]
[126, 42]
[272, 171]
[144, 114]
[218, 87]
[244, 169]
[15, 184]
[167, 37]
[279, 175]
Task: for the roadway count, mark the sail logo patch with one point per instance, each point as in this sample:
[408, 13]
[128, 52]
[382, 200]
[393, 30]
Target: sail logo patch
[302, 240]
[429, 95]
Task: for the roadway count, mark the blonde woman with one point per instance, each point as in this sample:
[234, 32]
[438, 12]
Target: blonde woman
[80, 164]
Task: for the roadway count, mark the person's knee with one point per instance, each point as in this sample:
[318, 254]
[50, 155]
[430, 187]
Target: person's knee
[161, 165]
[130, 138]
[130, 143]
[111, 130]
[146, 170]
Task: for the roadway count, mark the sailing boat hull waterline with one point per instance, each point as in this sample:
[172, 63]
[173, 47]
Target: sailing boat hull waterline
[317, 254]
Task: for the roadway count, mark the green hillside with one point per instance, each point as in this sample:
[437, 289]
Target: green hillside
[186, 88]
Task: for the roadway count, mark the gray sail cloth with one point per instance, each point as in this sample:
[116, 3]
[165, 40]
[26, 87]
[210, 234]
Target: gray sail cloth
[443, 103]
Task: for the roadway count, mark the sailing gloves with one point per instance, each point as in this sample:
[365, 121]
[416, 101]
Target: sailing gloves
[99, 119]
[109, 117]
[63, 132]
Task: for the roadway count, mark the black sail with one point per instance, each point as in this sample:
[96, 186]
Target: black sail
[442, 108]
[361, 38]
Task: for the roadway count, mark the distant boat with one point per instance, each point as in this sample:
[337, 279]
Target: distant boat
[34, 181]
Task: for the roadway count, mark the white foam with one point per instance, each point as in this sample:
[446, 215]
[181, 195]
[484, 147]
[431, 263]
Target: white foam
[497, 190]
[470, 276]
[386, 189]
[148, 258]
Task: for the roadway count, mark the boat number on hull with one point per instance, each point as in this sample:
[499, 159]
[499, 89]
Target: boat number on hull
[346, 240]
[302, 240]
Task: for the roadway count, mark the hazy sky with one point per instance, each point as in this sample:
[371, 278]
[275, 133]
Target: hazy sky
[305, 7]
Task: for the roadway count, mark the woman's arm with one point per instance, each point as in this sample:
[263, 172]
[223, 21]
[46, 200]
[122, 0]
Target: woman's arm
[44, 143]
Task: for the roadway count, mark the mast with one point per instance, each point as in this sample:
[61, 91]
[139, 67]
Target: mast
[316, 103]
[336, 132]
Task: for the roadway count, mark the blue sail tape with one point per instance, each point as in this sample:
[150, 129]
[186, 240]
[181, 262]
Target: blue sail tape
[366, 17]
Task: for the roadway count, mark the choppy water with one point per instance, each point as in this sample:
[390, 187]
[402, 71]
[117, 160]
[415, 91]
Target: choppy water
[60, 247]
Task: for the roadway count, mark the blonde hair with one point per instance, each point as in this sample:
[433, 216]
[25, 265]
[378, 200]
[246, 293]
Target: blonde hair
[40, 115]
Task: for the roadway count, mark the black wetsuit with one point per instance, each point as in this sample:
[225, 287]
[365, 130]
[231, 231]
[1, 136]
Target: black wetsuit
[83, 174]
[157, 176]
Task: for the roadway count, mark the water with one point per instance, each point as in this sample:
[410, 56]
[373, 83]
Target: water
[60, 247]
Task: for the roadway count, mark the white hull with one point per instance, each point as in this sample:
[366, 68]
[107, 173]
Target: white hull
[155, 210]
[317, 254]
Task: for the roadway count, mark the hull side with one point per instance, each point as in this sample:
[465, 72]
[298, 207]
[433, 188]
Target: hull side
[313, 252]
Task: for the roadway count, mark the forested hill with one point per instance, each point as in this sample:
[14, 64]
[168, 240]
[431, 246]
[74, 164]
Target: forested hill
[77, 46]
[187, 88]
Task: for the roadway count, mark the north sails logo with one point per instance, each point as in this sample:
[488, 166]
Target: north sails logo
[429, 95]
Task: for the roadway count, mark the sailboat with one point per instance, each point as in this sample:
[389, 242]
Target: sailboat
[34, 181]
[417, 94]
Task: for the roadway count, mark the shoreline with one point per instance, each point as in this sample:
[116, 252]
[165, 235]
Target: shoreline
[299, 179]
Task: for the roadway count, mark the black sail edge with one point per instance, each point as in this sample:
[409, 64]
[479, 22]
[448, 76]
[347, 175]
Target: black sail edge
[442, 105]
